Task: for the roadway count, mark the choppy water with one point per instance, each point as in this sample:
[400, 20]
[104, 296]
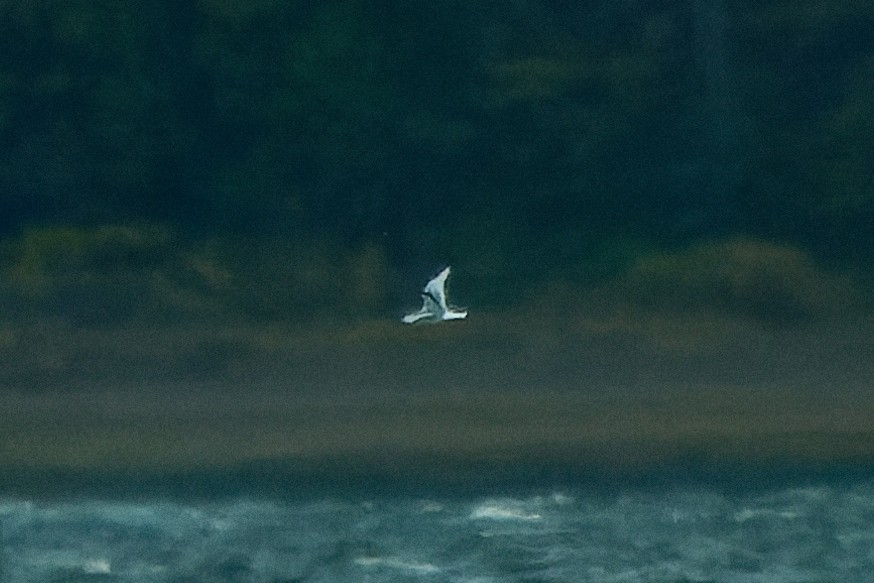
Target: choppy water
[810, 534]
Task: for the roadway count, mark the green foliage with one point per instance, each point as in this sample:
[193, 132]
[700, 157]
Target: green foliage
[804, 94]
[842, 171]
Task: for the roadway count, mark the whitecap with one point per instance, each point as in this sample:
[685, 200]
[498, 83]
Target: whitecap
[502, 511]
[397, 563]
[97, 567]
[561, 499]
[753, 513]
[429, 507]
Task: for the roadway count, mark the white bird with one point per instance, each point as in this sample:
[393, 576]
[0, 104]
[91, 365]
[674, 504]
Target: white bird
[434, 307]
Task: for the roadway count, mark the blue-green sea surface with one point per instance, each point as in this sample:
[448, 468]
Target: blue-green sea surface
[801, 534]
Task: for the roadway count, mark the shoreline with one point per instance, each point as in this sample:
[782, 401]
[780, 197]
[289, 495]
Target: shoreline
[508, 403]
[453, 442]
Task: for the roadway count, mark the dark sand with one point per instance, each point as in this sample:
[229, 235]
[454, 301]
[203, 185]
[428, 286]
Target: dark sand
[479, 404]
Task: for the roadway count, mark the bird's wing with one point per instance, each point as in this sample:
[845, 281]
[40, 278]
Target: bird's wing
[416, 316]
[436, 290]
[429, 309]
[430, 303]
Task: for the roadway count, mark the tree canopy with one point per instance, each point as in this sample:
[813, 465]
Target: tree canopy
[530, 136]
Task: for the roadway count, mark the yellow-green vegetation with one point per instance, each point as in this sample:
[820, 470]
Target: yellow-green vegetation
[774, 283]
[218, 305]
[696, 298]
[46, 258]
[114, 273]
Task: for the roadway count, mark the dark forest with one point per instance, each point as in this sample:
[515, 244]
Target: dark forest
[229, 153]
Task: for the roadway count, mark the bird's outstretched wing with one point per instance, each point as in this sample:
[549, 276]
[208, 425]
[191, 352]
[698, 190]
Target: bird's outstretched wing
[436, 290]
[416, 316]
[429, 310]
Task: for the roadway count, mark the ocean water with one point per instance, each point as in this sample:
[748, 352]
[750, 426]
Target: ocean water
[807, 534]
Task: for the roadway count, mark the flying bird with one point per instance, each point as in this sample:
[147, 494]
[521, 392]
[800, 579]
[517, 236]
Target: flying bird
[434, 307]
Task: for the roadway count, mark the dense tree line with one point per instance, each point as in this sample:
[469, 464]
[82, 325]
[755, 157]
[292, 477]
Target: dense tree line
[527, 135]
